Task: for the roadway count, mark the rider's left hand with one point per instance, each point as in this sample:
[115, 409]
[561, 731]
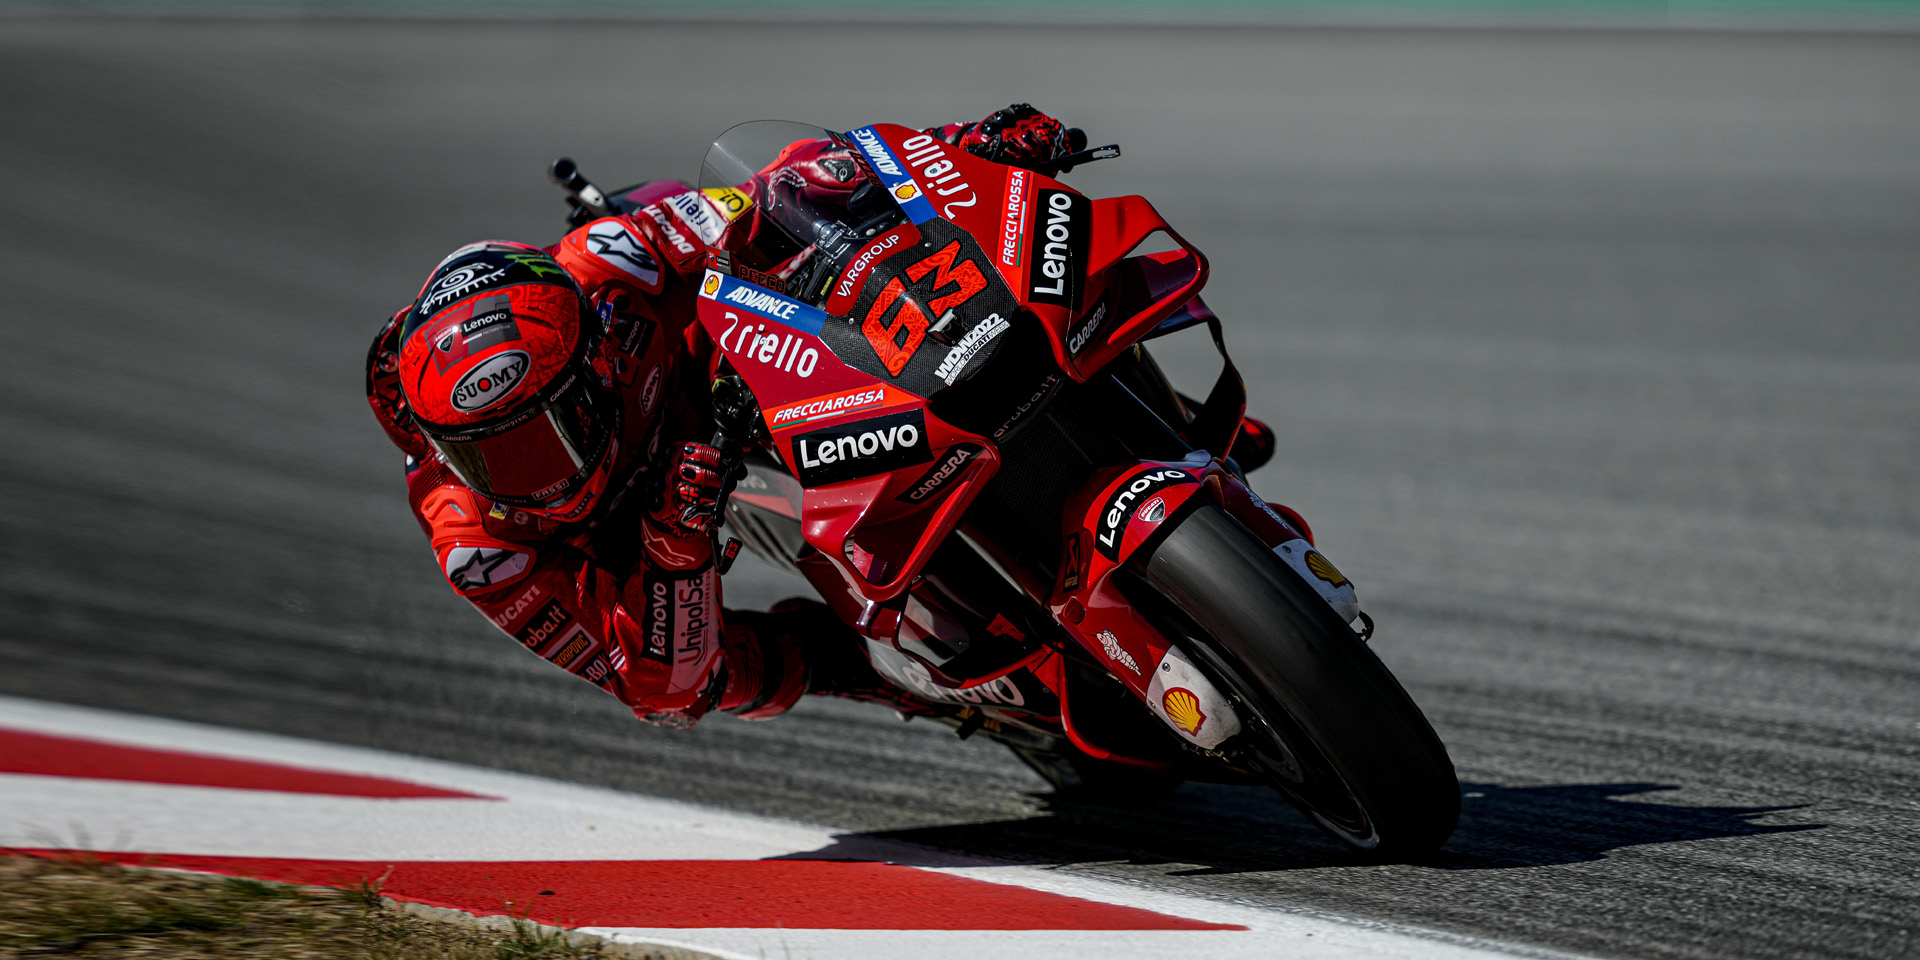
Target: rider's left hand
[1023, 137]
[689, 504]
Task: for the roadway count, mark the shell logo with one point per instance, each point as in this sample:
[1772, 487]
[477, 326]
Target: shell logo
[1183, 708]
[712, 285]
[906, 191]
[1324, 568]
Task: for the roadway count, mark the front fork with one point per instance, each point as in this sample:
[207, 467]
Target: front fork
[1123, 513]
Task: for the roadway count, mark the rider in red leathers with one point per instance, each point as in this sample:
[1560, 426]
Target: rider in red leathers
[549, 402]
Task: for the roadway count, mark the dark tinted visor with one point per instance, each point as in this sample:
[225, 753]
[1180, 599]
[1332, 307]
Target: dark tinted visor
[542, 458]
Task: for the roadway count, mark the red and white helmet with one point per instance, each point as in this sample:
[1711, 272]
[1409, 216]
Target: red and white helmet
[498, 364]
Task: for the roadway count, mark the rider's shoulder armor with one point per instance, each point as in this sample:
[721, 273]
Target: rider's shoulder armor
[481, 546]
[614, 251]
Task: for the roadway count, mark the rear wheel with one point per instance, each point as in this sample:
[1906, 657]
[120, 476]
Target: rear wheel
[1325, 722]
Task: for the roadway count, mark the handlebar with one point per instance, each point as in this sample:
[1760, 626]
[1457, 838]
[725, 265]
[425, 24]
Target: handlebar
[585, 197]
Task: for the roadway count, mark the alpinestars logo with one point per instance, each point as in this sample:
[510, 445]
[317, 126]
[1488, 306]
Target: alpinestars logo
[1128, 499]
[611, 242]
[861, 448]
[471, 568]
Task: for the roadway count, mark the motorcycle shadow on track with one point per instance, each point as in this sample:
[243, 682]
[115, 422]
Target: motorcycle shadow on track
[1226, 830]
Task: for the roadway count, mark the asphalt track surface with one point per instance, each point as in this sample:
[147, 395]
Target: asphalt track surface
[1596, 356]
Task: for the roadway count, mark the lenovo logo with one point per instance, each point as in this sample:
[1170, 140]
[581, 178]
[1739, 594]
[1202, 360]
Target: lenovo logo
[1127, 499]
[1060, 233]
[861, 448]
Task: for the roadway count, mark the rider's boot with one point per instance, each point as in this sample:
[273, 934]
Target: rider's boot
[766, 672]
[836, 666]
[798, 647]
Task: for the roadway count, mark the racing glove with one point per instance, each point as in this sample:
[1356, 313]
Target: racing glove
[689, 498]
[1023, 137]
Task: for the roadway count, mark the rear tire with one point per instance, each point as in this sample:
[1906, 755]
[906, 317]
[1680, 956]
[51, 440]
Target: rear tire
[1329, 727]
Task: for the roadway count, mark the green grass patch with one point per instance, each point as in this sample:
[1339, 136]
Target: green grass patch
[80, 907]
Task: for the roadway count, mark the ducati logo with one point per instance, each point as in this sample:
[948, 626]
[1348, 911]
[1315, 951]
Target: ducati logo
[1135, 497]
[519, 606]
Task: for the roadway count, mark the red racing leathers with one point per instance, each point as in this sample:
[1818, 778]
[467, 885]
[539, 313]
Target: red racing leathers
[628, 603]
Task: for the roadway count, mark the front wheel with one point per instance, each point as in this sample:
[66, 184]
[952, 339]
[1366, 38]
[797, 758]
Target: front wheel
[1324, 721]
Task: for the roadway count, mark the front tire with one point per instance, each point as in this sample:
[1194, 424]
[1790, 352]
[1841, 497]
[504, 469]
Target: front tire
[1327, 725]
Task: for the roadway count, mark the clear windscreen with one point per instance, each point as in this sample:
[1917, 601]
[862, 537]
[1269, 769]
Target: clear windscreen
[812, 201]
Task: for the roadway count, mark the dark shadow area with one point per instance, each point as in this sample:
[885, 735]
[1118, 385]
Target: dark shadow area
[1230, 830]
[1575, 823]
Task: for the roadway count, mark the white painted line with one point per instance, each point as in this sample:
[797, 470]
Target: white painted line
[546, 820]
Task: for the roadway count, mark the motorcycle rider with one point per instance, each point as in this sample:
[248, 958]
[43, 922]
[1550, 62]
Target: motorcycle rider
[548, 401]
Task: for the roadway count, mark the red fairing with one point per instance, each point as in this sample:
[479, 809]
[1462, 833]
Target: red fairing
[1123, 510]
[874, 520]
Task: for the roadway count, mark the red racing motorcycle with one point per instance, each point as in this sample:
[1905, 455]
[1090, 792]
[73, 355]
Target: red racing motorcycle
[947, 420]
